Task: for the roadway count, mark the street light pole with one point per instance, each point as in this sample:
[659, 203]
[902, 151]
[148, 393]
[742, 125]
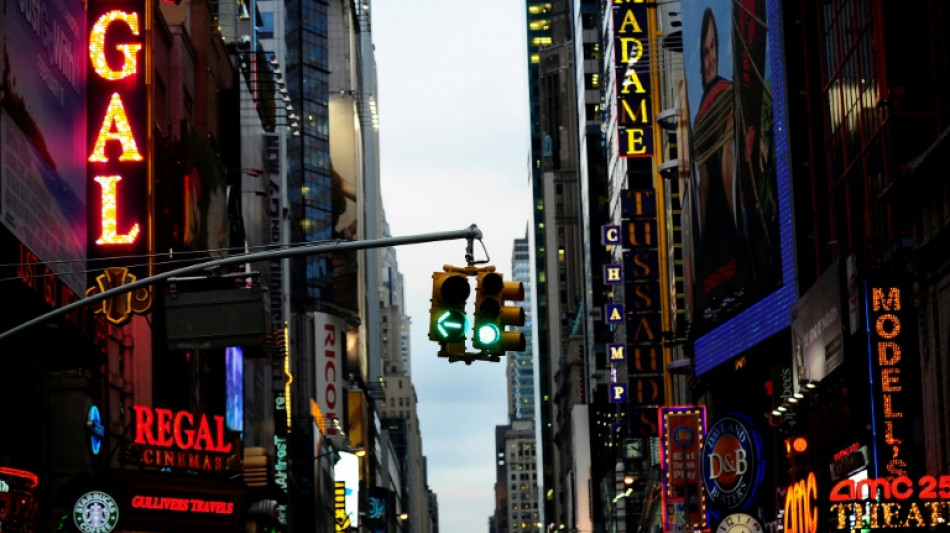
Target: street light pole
[470, 233]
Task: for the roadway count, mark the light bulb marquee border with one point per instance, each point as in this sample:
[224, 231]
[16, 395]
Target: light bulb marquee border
[118, 142]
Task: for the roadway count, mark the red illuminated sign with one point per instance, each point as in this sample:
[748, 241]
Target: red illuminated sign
[117, 128]
[182, 440]
[891, 503]
[182, 505]
[682, 431]
[18, 507]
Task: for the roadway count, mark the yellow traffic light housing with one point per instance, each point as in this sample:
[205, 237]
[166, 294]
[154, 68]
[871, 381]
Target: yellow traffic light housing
[491, 315]
[448, 321]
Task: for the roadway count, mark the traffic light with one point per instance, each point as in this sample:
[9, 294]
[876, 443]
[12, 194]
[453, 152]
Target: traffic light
[447, 318]
[799, 463]
[492, 315]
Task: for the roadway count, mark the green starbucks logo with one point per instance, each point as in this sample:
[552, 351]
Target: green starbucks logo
[95, 512]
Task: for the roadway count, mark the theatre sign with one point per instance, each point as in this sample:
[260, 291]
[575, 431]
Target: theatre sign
[182, 440]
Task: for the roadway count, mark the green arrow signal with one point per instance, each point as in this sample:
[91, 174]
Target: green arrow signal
[451, 325]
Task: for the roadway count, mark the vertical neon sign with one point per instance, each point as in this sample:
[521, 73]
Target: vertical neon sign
[117, 127]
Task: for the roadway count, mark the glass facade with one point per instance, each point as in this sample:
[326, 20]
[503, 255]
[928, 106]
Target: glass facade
[308, 155]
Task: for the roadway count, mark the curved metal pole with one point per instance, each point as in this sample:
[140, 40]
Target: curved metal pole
[470, 233]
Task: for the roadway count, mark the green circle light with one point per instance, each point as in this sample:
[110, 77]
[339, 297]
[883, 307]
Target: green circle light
[488, 334]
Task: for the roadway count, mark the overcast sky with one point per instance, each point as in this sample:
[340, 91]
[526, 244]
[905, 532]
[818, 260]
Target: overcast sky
[454, 148]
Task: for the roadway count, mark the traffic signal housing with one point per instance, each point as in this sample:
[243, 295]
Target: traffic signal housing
[799, 463]
[492, 315]
[448, 321]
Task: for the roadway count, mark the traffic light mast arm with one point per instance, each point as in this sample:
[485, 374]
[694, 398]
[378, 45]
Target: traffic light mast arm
[470, 233]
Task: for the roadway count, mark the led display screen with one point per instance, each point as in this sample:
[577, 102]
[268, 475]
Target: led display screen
[741, 266]
[43, 134]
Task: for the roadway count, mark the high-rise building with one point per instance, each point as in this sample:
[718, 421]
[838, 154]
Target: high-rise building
[520, 370]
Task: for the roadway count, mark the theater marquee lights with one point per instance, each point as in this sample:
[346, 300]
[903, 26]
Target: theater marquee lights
[886, 358]
[891, 503]
[117, 130]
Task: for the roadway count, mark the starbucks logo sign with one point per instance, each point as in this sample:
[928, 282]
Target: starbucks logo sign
[95, 512]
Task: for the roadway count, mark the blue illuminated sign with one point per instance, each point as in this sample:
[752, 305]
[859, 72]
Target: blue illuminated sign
[97, 432]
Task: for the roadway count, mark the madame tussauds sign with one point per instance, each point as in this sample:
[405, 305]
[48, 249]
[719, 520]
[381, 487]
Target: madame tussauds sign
[181, 439]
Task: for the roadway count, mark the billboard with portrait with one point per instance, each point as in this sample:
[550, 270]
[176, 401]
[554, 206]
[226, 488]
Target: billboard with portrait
[43, 133]
[738, 201]
[345, 173]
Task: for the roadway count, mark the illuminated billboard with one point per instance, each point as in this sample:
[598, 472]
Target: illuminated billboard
[894, 364]
[43, 134]
[682, 432]
[741, 262]
[632, 72]
[117, 132]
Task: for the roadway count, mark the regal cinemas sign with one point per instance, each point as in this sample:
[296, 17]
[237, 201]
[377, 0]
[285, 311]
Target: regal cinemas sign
[182, 440]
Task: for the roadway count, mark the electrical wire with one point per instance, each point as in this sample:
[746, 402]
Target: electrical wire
[194, 255]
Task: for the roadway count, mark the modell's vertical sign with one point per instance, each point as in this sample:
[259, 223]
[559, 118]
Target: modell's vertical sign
[329, 333]
[893, 361]
[117, 128]
[632, 72]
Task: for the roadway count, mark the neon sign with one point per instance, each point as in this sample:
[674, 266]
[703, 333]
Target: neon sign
[886, 356]
[801, 512]
[18, 508]
[181, 440]
[117, 129]
[182, 505]
[97, 432]
[865, 504]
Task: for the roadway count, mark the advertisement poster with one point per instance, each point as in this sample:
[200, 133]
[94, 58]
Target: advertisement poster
[345, 173]
[735, 255]
[817, 342]
[43, 133]
[682, 432]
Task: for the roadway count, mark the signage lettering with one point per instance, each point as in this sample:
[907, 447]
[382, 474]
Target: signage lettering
[341, 519]
[886, 308]
[632, 72]
[182, 505]
[801, 513]
[182, 440]
[161, 427]
[117, 131]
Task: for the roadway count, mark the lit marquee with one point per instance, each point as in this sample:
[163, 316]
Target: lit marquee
[117, 128]
[109, 235]
[97, 46]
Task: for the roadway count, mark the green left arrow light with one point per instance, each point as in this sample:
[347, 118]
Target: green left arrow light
[451, 325]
